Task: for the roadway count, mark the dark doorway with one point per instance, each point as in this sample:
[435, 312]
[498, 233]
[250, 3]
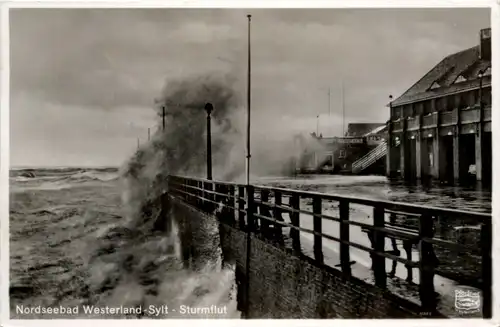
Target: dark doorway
[447, 156]
[467, 153]
[395, 160]
[412, 162]
[487, 158]
[426, 157]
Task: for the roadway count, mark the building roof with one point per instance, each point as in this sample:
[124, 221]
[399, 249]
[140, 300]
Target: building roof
[455, 73]
[360, 129]
[377, 130]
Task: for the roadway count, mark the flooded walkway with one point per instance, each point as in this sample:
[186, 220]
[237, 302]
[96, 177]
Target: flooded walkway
[473, 197]
[467, 198]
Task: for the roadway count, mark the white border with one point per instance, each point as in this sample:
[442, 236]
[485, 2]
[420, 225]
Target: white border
[4, 146]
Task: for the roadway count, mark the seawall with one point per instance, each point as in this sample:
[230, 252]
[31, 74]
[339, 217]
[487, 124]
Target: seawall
[274, 283]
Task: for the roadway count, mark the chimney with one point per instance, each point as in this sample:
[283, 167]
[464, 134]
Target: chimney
[485, 44]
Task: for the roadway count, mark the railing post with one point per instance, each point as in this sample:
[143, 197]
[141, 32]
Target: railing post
[241, 207]
[345, 257]
[231, 204]
[379, 246]
[427, 263]
[198, 194]
[486, 245]
[318, 239]
[295, 220]
[278, 231]
[250, 208]
[264, 211]
[191, 192]
[210, 196]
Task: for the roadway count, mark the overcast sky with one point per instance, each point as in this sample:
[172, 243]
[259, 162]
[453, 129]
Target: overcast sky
[83, 81]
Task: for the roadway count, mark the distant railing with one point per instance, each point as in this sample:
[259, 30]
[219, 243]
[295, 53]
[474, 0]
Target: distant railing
[413, 123]
[469, 115]
[370, 158]
[397, 125]
[429, 120]
[447, 118]
[262, 210]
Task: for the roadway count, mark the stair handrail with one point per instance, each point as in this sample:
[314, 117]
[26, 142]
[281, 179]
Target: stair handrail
[370, 155]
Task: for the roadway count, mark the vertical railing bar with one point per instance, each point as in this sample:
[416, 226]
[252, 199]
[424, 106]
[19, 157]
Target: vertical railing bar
[251, 208]
[264, 211]
[345, 257]
[426, 265]
[278, 229]
[318, 239]
[295, 220]
[379, 246]
[241, 207]
[232, 204]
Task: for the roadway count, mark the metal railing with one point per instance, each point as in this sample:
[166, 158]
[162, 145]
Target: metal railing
[447, 118]
[370, 158]
[465, 115]
[429, 120]
[469, 115]
[261, 210]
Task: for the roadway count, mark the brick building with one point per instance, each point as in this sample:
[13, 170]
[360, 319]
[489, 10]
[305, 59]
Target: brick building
[441, 126]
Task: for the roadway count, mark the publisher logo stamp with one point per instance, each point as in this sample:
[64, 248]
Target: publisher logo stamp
[467, 301]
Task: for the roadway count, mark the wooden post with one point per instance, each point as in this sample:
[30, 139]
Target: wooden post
[199, 192]
[345, 256]
[250, 208]
[264, 211]
[295, 219]
[241, 207]
[318, 239]
[232, 204]
[486, 245]
[427, 263]
[278, 231]
[379, 246]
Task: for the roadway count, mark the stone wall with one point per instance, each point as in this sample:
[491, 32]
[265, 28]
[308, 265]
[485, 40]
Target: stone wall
[282, 285]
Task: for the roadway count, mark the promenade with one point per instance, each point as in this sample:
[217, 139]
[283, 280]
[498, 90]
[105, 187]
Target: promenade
[333, 231]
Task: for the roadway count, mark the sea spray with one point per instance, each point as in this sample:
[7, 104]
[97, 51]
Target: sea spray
[132, 262]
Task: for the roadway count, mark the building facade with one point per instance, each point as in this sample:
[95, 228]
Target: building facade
[441, 126]
[319, 154]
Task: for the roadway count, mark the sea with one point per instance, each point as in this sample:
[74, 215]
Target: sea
[74, 254]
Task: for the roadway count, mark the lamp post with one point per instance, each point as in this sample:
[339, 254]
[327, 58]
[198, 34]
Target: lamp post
[317, 125]
[209, 108]
[163, 117]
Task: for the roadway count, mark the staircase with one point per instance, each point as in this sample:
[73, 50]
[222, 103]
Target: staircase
[370, 158]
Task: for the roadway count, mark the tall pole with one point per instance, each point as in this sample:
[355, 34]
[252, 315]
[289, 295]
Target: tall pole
[248, 105]
[343, 108]
[137, 143]
[149, 134]
[209, 108]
